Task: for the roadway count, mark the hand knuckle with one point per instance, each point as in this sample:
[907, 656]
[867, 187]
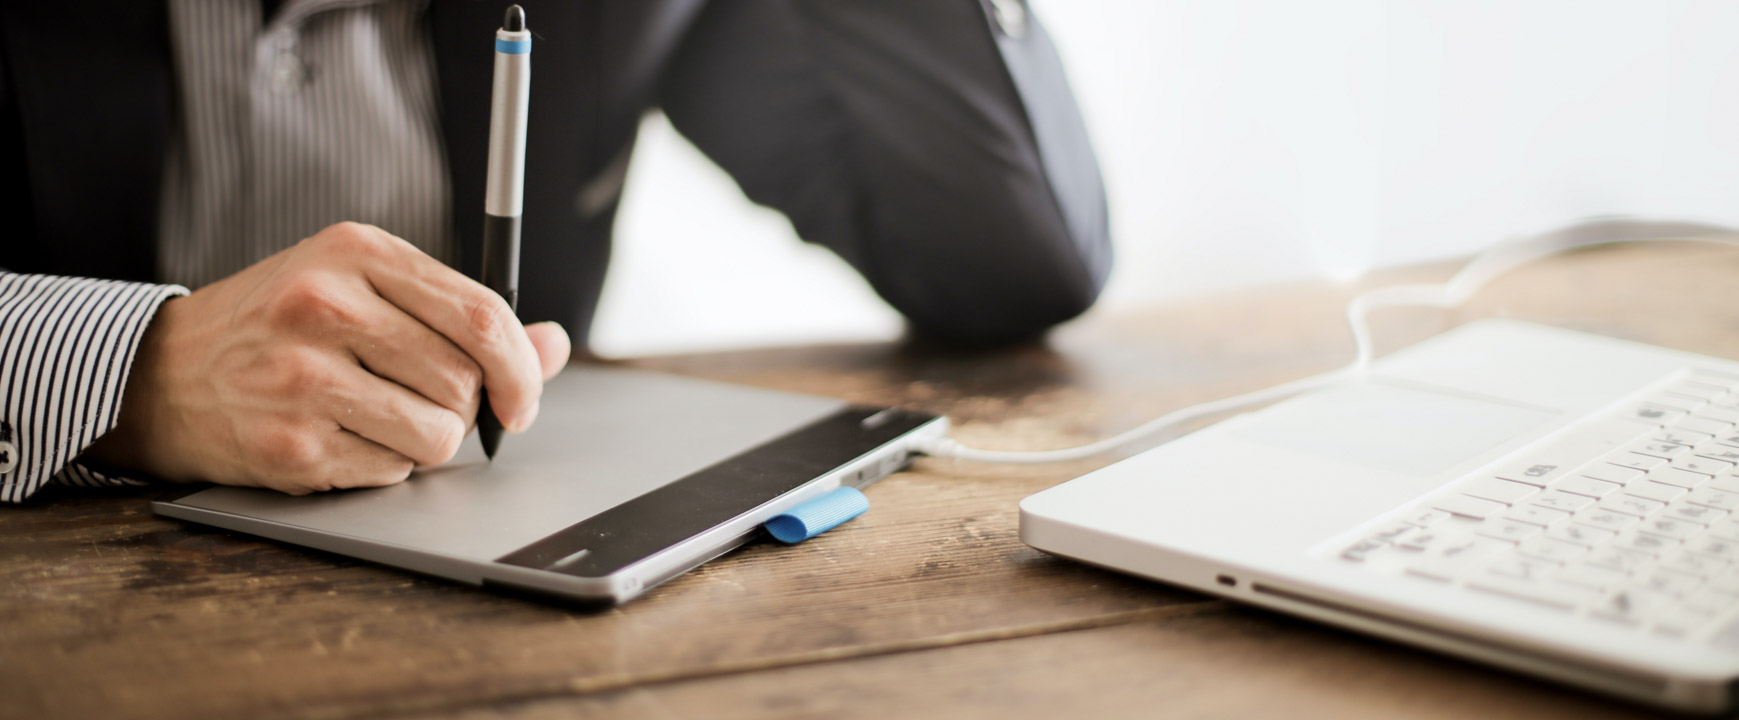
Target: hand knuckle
[446, 431]
[296, 373]
[312, 301]
[488, 320]
[350, 231]
[350, 240]
[320, 482]
[399, 471]
[463, 379]
[289, 453]
[380, 473]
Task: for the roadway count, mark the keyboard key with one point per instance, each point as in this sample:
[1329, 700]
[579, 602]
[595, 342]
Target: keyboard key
[1426, 518]
[1678, 478]
[1650, 490]
[1379, 542]
[1711, 599]
[1563, 596]
[1701, 566]
[1656, 448]
[1701, 465]
[1633, 606]
[1523, 568]
[1466, 506]
[1498, 490]
[1727, 582]
[1580, 534]
[1536, 515]
[1710, 497]
[1728, 637]
[1644, 543]
[1699, 514]
[1429, 539]
[1363, 550]
[1631, 505]
[1685, 622]
[1717, 451]
[1451, 561]
[1536, 474]
[1680, 437]
[1727, 415]
[1653, 415]
[1604, 519]
[1635, 461]
[1560, 500]
[1612, 473]
[1556, 551]
[1671, 583]
[1587, 485]
[1676, 402]
[1593, 576]
[1617, 559]
[1729, 483]
[1702, 425]
[1670, 528]
[1510, 530]
[1714, 547]
[1726, 528]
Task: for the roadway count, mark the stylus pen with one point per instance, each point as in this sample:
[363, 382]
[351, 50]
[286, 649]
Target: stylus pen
[505, 195]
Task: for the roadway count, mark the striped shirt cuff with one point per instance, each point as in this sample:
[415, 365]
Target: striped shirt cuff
[66, 346]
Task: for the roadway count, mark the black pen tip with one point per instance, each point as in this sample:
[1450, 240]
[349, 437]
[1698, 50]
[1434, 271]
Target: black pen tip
[488, 426]
[515, 21]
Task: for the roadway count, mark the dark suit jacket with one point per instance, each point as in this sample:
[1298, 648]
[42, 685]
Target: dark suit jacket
[87, 103]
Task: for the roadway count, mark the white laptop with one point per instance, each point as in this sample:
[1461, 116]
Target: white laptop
[1552, 502]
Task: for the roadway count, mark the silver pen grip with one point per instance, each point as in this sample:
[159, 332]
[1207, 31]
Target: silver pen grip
[504, 194]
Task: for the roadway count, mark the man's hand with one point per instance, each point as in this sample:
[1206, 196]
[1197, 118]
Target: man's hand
[345, 361]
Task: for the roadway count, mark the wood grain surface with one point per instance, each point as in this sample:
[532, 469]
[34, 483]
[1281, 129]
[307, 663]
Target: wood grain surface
[928, 606]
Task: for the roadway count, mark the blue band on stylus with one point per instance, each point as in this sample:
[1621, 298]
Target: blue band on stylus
[818, 515]
[513, 47]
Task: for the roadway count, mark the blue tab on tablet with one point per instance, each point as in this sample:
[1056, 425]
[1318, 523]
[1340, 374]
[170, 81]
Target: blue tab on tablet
[818, 515]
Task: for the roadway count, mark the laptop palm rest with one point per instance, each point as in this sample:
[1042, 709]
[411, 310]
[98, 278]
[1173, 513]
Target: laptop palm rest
[1416, 433]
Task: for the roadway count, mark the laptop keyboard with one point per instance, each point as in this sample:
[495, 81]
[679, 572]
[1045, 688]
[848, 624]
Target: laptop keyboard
[1630, 517]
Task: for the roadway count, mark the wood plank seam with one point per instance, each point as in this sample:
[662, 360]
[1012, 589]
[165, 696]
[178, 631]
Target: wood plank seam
[590, 686]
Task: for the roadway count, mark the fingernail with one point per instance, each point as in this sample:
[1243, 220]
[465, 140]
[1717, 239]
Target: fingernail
[526, 419]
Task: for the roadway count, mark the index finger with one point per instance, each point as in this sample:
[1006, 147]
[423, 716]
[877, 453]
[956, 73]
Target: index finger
[474, 317]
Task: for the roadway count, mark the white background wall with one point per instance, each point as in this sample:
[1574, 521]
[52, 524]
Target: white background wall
[1248, 141]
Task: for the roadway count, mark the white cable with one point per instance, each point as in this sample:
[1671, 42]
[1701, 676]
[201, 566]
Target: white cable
[1482, 269]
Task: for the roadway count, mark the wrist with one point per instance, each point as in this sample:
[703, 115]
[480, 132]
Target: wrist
[130, 448]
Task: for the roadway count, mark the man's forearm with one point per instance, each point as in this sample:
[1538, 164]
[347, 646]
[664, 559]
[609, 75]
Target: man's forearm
[66, 348]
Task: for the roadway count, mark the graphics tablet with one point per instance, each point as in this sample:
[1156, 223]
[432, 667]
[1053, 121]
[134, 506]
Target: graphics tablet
[627, 479]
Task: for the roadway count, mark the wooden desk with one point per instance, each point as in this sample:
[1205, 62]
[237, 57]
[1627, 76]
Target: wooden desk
[928, 606]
